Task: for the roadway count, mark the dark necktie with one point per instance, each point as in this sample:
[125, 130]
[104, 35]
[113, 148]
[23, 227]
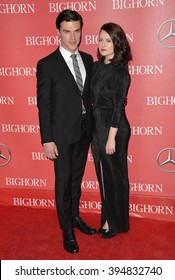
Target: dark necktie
[79, 79]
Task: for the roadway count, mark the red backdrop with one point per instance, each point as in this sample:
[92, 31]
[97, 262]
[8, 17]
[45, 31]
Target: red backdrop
[28, 33]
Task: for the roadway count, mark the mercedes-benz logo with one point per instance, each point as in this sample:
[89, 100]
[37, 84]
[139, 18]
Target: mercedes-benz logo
[166, 33]
[166, 160]
[5, 155]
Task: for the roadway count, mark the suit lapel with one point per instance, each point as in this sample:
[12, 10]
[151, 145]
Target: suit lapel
[85, 62]
[65, 69]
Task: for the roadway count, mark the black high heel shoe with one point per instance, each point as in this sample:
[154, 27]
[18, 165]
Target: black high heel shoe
[108, 234]
[101, 231]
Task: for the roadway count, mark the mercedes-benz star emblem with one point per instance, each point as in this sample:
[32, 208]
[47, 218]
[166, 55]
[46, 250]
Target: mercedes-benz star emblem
[166, 33]
[166, 160]
[5, 155]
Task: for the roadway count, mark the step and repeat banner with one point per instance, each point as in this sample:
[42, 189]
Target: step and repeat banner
[27, 34]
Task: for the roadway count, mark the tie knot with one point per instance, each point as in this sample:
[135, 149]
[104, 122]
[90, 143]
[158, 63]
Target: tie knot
[73, 56]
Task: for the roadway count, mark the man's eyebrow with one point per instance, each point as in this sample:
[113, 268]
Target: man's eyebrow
[72, 30]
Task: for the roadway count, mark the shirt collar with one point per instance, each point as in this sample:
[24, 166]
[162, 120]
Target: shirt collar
[66, 54]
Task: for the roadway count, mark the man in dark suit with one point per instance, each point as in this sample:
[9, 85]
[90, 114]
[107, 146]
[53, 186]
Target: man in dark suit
[66, 122]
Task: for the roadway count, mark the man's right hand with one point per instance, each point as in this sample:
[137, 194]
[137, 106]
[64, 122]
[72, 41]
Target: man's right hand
[50, 150]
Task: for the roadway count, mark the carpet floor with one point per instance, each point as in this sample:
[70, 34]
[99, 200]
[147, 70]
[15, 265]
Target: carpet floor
[34, 234]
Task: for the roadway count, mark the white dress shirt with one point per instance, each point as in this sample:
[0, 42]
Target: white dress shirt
[66, 55]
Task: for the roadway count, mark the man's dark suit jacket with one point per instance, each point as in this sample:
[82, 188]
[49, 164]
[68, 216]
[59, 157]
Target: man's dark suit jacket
[59, 99]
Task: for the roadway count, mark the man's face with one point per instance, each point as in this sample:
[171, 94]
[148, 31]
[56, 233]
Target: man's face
[70, 35]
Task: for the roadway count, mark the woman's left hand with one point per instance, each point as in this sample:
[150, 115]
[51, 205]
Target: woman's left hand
[110, 146]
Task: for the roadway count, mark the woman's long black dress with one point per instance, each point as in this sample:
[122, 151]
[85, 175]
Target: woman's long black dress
[109, 89]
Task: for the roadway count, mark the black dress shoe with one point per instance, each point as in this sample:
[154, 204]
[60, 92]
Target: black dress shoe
[83, 227]
[108, 234]
[101, 231]
[70, 243]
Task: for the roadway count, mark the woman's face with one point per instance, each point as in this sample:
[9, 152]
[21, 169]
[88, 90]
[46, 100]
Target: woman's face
[106, 46]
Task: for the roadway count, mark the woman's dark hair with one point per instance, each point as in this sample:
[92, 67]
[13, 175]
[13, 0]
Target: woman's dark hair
[68, 15]
[122, 50]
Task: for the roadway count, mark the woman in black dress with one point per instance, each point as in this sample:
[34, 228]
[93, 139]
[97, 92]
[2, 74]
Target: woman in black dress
[109, 86]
